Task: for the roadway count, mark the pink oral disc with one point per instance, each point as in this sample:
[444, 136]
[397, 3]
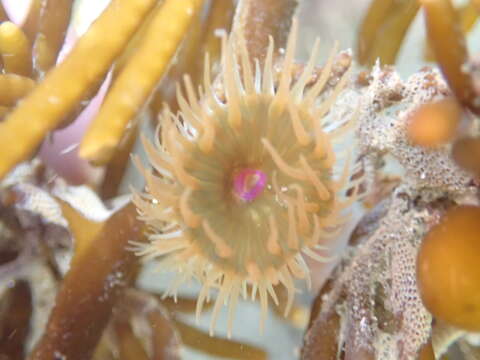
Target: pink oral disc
[248, 184]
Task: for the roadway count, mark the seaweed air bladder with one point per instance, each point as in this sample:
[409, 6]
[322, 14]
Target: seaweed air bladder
[243, 185]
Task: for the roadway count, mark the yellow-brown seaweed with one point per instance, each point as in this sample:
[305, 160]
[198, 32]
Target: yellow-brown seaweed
[321, 340]
[383, 30]
[201, 39]
[15, 316]
[216, 346]
[14, 87]
[255, 19]
[130, 347]
[3, 14]
[447, 41]
[31, 24]
[15, 49]
[63, 88]
[89, 290]
[52, 28]
[138, 79]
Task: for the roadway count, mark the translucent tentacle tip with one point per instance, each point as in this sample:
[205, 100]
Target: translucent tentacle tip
[248, 184]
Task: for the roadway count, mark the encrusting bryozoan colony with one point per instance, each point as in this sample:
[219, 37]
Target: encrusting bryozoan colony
[243, 186]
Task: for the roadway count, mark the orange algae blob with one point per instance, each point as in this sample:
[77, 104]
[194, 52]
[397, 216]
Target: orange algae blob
[244, 185]
[448, 268]
[434, 124]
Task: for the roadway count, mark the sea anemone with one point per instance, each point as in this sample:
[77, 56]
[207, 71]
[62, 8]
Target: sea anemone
[244, 179]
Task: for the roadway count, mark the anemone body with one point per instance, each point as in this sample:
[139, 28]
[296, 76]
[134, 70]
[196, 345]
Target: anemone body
[243, 183]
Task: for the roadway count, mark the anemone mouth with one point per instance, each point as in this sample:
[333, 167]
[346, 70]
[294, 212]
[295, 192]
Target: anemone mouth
[248, 184]
[244, 186]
